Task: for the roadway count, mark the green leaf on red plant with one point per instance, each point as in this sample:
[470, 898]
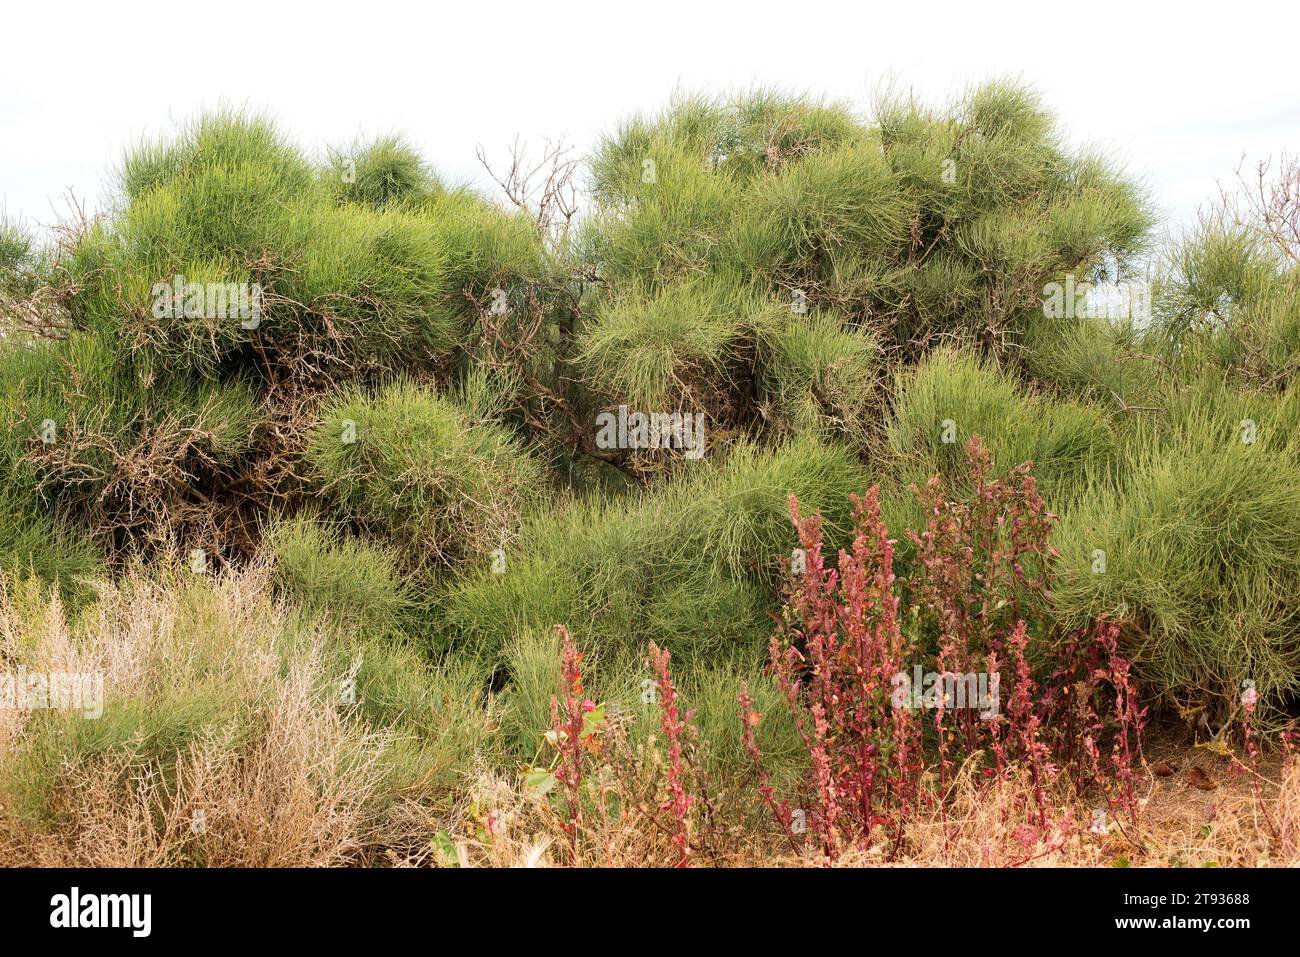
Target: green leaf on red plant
[593, 721]
[539, 780]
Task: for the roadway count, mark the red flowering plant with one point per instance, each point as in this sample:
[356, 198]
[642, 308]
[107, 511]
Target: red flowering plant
[576, 723]
[982, 577]
[608, 780]
[674, 725]
[1093, 704]
[834, 661]
[984, 581]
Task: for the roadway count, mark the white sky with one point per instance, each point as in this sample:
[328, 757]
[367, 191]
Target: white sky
[1180, 91]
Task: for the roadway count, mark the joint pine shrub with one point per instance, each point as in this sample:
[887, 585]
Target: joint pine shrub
[743, 136]
[734, 513]
[532, 660]
[33, 543]
[952, 395]
[673, 230]
[97, 444]
[16, 248]
[364, 262]
[712, 695]
[817, 376]
[437, 716]
[596, 741]
[1194, 553]
[1214, 404]
[33, 285]
[1231, 300]
[217, 143]
[355, 584]
[689, 565]
[1103, 361]
[395, 470]
[533, 663]
[486, 248]
[829, 204]
[369, 282]
[617, 570]
[925, 225]
[672, 350]
[406, 462]
[383, 171]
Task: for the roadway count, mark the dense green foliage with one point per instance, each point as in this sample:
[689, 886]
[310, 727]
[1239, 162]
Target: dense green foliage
[406, 433]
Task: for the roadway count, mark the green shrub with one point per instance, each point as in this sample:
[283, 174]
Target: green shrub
[437, 715]
[1099, 360]
[354, 584]
[107, 449]
[666, 213]
[363, 266]
[415, 466]
[15, 246]
[487, 248]
[532, 660]
[845, 201]
[1230, 299]
[216, 142]
[953, 395]
[816, 375]
[22, 268]
[371, 283]
[690, 566]
[32, 543]
[383, 171]
[713, 692]
[665, 351]
[1195, 551]
[927, 225]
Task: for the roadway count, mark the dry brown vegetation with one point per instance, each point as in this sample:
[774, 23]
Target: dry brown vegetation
[273, 771]
[267, 770]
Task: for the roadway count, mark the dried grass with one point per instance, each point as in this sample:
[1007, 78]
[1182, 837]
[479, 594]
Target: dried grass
[295, 781]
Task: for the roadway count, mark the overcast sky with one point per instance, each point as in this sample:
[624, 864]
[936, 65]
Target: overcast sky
[1178, 91]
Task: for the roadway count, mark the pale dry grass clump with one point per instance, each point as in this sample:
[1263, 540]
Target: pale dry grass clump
[995, 823]
[1287, 843]
[265, 767]
[300, 795]
[1232, 823]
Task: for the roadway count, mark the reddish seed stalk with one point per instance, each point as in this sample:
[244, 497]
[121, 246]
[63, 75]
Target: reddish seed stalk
[749, 718]
[567, 723]
[673, 725]
[982, 573]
